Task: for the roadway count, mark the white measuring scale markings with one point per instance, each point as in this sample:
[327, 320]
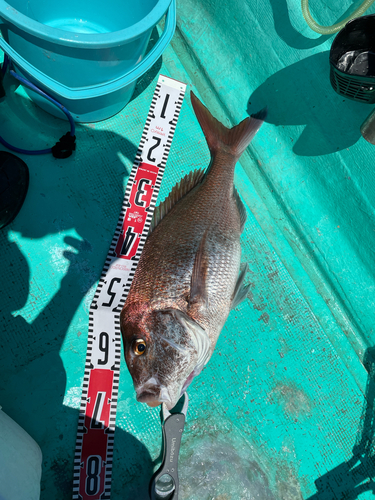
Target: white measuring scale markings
[97, 417]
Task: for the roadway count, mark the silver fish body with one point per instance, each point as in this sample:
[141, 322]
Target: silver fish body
[188, 279]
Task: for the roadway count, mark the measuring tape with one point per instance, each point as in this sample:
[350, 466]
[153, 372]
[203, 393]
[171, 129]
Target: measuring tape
[96, 424]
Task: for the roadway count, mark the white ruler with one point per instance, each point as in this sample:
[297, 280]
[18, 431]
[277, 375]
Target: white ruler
[96, 424]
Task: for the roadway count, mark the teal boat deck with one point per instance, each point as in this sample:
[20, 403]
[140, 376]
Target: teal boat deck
[284, 409]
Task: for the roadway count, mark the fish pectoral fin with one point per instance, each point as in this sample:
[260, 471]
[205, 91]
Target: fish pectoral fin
[240, 291]
[198, 287]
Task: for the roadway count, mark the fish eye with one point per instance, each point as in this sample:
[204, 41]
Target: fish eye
[139, 347]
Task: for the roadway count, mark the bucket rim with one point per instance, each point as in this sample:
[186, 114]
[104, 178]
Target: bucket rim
[94, 91]
[82, 40]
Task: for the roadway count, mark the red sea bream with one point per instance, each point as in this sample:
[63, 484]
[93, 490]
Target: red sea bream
[188, 278]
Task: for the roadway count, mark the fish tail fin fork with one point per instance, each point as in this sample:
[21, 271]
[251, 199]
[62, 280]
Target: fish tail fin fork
[218, 137]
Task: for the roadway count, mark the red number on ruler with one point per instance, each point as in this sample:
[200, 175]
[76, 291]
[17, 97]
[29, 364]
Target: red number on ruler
[135, 216]
[94, 445]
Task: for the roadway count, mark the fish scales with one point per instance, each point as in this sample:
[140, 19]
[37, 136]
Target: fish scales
[185, 282]
[164, 271]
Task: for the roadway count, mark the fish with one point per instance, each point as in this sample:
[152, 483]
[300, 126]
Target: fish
[188, 277]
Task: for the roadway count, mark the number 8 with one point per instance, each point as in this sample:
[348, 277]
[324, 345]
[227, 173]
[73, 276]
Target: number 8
[93, 474]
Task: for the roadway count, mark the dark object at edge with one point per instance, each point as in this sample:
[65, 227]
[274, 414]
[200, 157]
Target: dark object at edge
[14, 183]
[352, 60]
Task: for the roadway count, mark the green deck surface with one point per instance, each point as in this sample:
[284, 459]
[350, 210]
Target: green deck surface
[288, 394]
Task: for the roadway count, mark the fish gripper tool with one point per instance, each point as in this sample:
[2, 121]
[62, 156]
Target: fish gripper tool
[164, 483]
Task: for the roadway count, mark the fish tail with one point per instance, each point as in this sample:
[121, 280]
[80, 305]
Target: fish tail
[220, 138]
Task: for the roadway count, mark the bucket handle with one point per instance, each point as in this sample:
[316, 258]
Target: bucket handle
[103, 88]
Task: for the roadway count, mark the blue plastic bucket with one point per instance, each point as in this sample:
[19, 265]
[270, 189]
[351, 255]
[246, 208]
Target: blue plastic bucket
[86, 54]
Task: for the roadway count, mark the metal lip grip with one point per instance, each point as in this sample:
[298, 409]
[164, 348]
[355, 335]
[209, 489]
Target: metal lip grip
[164, 483]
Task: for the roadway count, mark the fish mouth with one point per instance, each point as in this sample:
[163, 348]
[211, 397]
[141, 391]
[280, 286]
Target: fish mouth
[153, 394]
[149, 398]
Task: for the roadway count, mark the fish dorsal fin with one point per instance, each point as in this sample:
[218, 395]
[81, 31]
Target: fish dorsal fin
[178, 191]
[240, 291]
[241, 208]
[198, 289]
[233, 140]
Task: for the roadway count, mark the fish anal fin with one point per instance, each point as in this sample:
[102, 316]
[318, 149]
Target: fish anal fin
[240, 291]
[198, 288]
[178, 191]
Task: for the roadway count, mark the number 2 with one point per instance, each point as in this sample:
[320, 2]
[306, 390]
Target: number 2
[158, 141]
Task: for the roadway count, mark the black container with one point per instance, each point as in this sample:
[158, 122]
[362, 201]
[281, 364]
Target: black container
[352, 60]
